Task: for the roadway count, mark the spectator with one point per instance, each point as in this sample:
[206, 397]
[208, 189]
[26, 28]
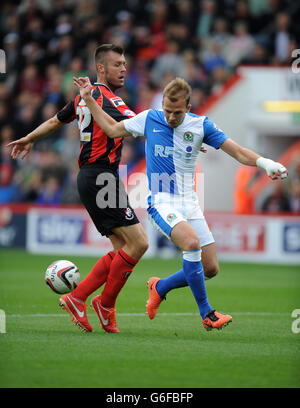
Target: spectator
[53, 87]
[186, 15]
[213, 58]
[7, 186]
[26, 120]
[282, 37]
[258, 56]
[170, 61]
[278, 201]
[206, 18]
[29, 184]
[51, 192]
[69, 145]
[145, 96]
[198, 98]
[218, 78]
[156, 102]
[70, 193]
[220, 33]
[158, 16]
[240, 44]
[76, 68]
[31, 82]
[294, 198]
[64, 51]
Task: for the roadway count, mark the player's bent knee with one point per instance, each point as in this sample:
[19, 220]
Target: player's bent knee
[192, 244]
[139, 244]
[143, 245]
[211, 272]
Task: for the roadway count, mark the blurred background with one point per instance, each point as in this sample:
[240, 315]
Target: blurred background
[240, 57]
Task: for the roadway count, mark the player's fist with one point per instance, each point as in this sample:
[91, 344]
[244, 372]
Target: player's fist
[273, 169]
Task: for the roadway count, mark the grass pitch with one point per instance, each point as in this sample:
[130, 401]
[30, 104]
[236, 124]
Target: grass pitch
[42, 348]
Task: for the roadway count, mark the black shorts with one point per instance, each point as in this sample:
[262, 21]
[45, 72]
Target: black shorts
[103, 194]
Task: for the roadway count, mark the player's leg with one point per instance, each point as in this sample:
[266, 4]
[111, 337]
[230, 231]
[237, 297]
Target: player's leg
[98, 274]
[101, 217]
[172, 223]
[208, 258]
[136, 243]
[183, 235]
[185, 238]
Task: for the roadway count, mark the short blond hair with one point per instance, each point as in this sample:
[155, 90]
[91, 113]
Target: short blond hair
[177, 89]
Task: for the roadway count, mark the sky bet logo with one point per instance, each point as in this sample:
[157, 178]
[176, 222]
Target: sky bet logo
[166, 151]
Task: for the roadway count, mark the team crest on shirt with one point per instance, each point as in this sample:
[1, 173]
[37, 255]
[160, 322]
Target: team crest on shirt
[171, 217]
[188, 137]
[117, 101]
[128, 214]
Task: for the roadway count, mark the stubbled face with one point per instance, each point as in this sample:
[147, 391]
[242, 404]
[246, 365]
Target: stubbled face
[175, 111]
[112, 72]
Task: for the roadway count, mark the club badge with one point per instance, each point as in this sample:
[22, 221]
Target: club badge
[188, 137]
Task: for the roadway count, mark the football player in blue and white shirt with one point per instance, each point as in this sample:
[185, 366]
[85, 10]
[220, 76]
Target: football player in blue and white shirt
[173, 140]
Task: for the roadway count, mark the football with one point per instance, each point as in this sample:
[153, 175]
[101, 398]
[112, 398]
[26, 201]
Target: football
[62, 276]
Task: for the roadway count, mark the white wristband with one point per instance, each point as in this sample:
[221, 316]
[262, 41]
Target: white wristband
[270, 166]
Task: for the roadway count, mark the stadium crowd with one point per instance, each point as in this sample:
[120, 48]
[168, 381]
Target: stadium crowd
[46, 43]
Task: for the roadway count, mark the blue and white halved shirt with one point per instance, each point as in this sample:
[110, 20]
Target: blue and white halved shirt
[171, 153]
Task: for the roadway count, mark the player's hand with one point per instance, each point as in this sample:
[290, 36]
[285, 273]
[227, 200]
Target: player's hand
[274, 170]
[84, 85]
[203, 149]
[279, 174]
[22, 145]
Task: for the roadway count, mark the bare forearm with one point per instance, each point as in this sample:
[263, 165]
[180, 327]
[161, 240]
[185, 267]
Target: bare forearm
[240, 153]
[246, 156]
[45, 129]
[250, 158]
[111, 127]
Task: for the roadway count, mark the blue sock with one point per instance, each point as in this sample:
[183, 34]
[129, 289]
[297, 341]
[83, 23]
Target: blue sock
[194, 274]
[176, 280]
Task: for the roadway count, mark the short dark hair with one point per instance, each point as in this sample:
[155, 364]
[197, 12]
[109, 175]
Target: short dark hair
[103, 49]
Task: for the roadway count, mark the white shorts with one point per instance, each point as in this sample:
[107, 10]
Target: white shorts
[165, 213]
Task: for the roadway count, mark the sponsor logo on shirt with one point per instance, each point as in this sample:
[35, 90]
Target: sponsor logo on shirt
[116, 101]
[166, 151]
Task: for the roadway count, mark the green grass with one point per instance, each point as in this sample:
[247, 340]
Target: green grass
[42, 348]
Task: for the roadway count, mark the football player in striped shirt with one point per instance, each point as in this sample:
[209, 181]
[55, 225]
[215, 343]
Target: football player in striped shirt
[98, 176]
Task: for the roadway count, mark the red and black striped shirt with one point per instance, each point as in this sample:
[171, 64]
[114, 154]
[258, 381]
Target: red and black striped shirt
[96, 146]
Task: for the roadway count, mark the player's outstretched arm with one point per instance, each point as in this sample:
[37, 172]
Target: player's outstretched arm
[24, 145]
[273, 169]
[111, 127]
